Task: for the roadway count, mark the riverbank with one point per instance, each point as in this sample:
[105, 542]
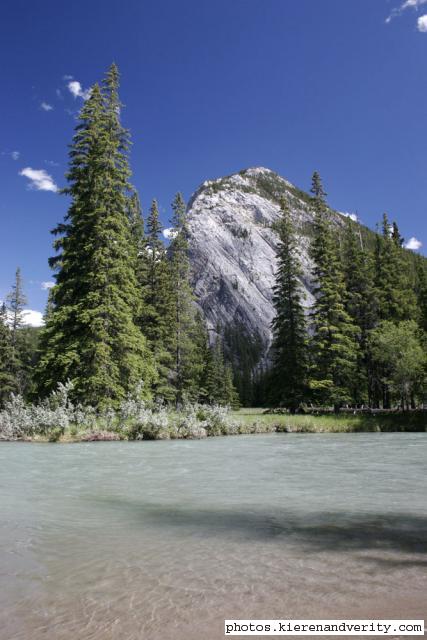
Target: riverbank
[413, 421]
[198, 421]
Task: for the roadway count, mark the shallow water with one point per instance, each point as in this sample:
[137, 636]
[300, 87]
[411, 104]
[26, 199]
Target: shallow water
[164, 540]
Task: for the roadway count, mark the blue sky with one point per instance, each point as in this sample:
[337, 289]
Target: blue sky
[210, 88]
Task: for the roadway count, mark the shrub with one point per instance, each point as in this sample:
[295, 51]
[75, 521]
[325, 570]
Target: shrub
[55, 434]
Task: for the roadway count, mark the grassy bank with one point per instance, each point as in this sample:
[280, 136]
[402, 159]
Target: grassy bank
[330, 423]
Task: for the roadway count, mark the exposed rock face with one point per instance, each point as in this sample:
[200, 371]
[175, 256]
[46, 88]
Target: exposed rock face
[233, 248]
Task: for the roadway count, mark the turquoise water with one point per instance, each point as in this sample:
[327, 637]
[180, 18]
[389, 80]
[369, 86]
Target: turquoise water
[163, 540]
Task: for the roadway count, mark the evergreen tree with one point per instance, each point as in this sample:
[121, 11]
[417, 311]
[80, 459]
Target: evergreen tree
[396, 298]
[16, 303]
[231, 397]
[136, 221]
[244, 351]
[218, 385]
[333, 346]
[421, 291]
[188, 364]
[91, 336]
[139, 240]
[7, 378]
[290, 344]
[361, 305]
[158, 318]
[214, 374]
[395, 235]
[157, 283]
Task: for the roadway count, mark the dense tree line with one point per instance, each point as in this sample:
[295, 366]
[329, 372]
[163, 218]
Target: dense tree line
[363, 342]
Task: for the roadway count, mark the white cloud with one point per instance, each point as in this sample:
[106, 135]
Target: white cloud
[413, 243]
[47, 285]
[408, 4]
[52, 163]
[40, 180]
[169, 233]
[13, 154]
[352, 216]
[77, 90]
[46, 106]
[66, 77]
[32, 318]
[422, 23]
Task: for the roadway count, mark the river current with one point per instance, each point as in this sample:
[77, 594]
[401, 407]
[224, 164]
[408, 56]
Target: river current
[165, 540]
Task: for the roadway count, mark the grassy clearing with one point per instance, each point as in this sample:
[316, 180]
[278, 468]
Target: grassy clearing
[413, 421]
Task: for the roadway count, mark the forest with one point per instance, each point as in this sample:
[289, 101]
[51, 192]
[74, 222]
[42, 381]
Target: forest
[122, 334]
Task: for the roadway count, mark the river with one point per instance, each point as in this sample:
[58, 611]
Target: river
[164, 540]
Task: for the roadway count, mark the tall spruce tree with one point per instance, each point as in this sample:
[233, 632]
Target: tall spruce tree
[395, 235]
[188, 364]
[396, 298]
[159, 305]
[16, 301]
[7, 378]
[290, 340]
[361, 305]
[91, 336]
[139, 241]
[218, 383]
[158, 281]
[334, 349]
[421, 291]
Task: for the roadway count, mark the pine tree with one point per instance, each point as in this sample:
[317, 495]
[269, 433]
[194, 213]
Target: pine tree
[214, 374]
[395, 235]
[91, 336]
[139, 241]
[157, 282]
[158, 311]
[231, 397]
[16, 303]
[334, 349]
[218, 385]
[142, 250]
[7, 377]
[421, 291]
[290, 344]
[188, 364]
[244, 351]
[361, 305]
[396, 298]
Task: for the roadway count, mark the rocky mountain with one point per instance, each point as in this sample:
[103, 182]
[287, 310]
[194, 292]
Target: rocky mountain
[233, 251]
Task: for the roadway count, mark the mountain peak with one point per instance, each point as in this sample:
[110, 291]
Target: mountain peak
[233, 247]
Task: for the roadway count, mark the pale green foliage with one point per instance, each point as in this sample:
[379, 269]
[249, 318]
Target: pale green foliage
[399, 350]
[134, 419]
